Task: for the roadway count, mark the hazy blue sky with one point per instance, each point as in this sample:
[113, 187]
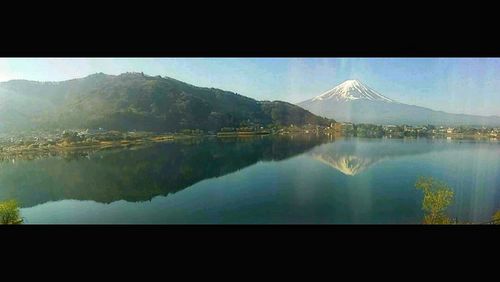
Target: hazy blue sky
[457, 85]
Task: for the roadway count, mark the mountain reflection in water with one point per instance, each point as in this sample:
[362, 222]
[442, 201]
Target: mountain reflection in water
[353, 156]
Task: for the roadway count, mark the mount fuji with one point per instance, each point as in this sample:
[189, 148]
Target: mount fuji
[351, 90]
[353, 101]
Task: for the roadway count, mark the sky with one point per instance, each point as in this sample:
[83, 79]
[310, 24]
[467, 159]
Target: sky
[455, 85]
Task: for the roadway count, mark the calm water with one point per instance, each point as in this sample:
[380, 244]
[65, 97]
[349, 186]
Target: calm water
[299, 179]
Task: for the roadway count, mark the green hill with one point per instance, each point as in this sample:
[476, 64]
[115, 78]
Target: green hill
[137, 101]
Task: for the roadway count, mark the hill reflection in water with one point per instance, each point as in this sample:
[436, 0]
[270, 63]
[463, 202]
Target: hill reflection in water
[142, 173]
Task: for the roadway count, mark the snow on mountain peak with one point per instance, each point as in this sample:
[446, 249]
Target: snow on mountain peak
[350, 90]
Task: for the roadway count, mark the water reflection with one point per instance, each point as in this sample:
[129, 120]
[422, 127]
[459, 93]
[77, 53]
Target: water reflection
[139, 174]
[271, 179]
[353, 156]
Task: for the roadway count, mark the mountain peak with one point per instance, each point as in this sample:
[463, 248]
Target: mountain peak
[351, 82]
[352, 89]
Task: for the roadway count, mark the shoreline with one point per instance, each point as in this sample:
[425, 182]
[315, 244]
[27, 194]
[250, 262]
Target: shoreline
[64, 147]
[28, 152]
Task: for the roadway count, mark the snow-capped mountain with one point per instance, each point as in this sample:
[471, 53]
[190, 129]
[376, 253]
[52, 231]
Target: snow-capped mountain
[352, 90]
[353, 101]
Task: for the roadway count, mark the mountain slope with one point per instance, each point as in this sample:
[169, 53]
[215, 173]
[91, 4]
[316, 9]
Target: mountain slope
[137, 101]
[352, 101]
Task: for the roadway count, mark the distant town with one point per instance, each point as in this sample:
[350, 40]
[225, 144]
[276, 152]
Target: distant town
[33, 144]
[397, 131]
[400, 131]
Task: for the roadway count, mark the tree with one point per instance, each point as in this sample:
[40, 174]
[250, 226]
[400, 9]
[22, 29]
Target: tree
[437, 197]
[9, 212]
[496, 217]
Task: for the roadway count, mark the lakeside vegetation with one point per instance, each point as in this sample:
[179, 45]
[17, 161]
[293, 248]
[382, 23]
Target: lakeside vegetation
[437, 198]
[9, 212]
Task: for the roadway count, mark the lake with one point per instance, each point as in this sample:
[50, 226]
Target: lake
[264, 179]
